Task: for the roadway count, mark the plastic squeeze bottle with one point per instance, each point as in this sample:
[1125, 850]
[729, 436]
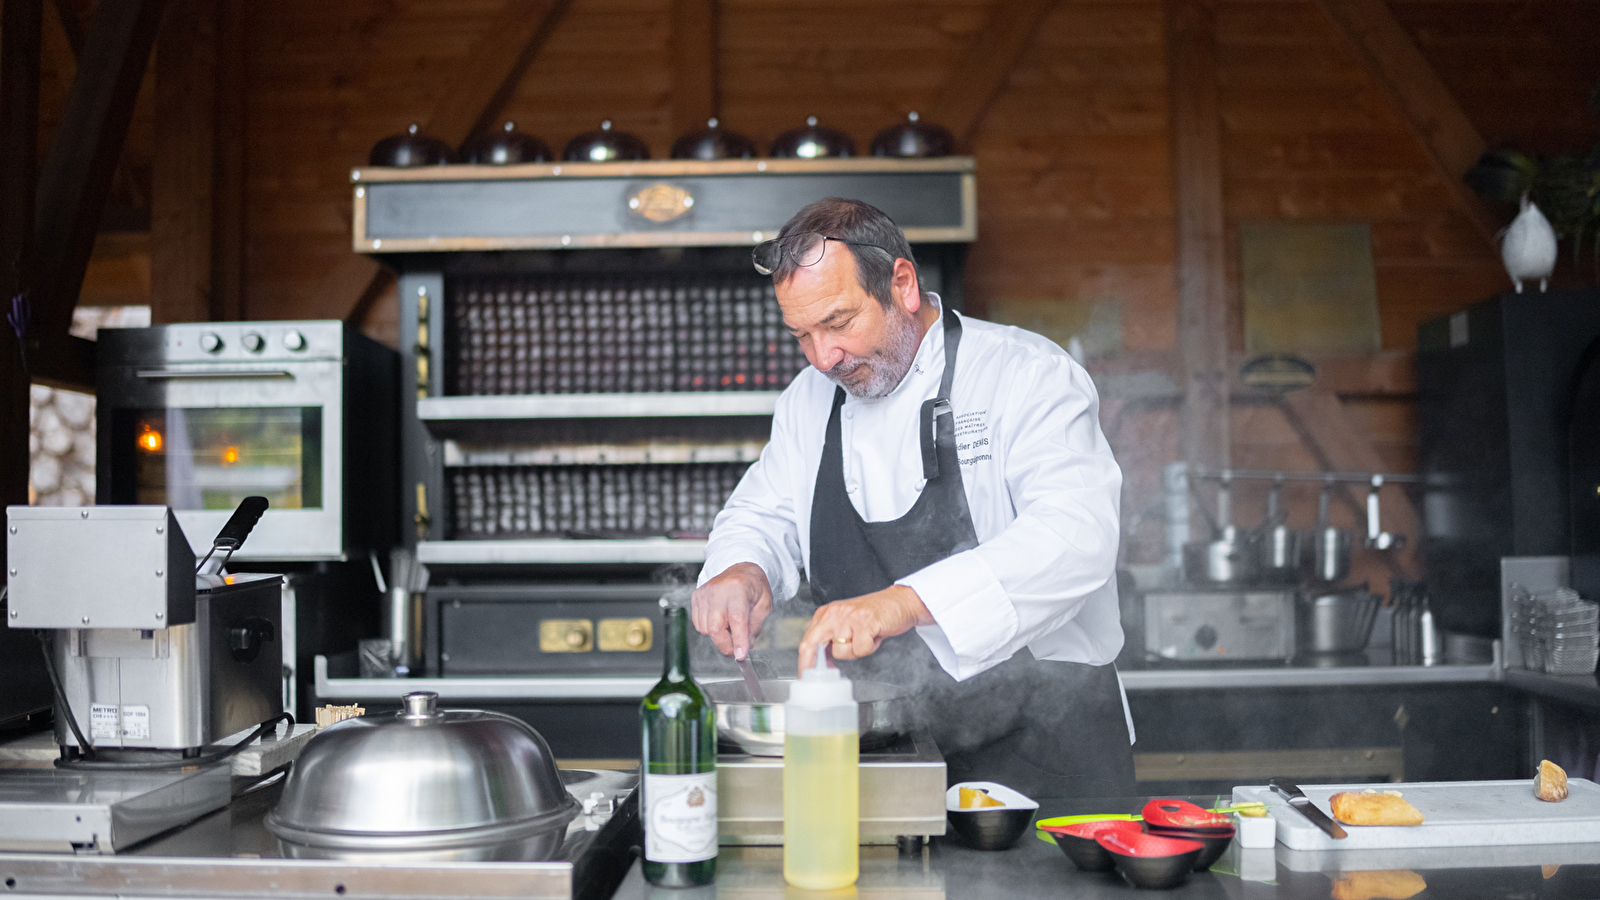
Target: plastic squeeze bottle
[821, 780]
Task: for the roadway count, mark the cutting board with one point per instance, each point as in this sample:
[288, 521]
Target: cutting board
[1458, 814]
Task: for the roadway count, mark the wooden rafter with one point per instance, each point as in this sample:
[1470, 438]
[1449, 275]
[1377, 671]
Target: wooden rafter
[76, 176]
[1417, 94]
[1340, 444]
[1201, 267]
[988, 62]
[20, 27]
[694, 64]
[478, 93]
[487, 78]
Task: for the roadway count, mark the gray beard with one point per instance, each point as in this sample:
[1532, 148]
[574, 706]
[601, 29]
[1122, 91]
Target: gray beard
[889, 363]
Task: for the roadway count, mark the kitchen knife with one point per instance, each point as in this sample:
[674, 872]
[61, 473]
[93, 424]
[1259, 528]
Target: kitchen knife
[1297, 799]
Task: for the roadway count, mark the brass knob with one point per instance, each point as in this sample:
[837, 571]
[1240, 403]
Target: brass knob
[576, 637]
[636, 636]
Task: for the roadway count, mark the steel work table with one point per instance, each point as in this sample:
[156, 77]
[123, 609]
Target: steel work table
[1033, 868]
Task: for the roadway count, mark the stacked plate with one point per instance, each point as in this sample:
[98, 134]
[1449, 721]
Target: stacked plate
[1559, 632]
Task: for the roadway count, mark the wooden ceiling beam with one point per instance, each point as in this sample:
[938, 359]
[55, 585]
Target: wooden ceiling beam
[20, 30]
[1415, 91]
[694, 64]
[984, 68]
[77, 172]
[478, 93]
[488, 76]
[1201, 264]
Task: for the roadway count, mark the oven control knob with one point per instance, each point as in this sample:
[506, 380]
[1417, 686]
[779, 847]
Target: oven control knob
[253, 342]
[294, 340]
[211, 342]
[1206, 637]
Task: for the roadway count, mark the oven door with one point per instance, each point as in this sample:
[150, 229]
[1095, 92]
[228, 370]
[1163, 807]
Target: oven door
[200, 437]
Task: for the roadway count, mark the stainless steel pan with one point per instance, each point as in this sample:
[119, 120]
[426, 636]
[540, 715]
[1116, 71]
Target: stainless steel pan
[757, 728]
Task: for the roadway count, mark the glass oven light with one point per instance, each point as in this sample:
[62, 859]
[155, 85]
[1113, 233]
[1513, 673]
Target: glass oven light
[150, 440]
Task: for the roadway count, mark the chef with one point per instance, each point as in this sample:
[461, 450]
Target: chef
[945, 485]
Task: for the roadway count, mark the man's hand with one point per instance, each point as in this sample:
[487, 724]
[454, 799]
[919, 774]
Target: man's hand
[857, 627]
[730, 608]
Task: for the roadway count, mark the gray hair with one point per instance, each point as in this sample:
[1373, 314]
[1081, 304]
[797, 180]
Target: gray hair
[852, 220]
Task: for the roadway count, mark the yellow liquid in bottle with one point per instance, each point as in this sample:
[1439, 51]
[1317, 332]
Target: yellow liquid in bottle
[821, 810]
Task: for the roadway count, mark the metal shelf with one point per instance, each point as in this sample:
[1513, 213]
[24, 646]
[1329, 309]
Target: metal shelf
[596, 406]
[495, 688]
[560, 551]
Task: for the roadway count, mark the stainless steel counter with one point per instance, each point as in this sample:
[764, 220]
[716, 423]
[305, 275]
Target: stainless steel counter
[230, 854]
[948, 869]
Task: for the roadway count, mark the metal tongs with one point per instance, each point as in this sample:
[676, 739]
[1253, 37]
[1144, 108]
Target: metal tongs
[229, 539]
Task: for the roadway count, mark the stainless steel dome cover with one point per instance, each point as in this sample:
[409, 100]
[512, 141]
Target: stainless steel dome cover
[423, 778]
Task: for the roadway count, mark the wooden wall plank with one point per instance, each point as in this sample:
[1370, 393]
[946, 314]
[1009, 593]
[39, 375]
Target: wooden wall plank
[694, 64]
[1421, 98]
[994, 52]
[77, 173]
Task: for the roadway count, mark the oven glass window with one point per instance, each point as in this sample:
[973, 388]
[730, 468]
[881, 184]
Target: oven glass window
[213, 458]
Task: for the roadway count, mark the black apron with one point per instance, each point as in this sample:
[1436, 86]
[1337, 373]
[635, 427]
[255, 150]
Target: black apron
[1045, 728]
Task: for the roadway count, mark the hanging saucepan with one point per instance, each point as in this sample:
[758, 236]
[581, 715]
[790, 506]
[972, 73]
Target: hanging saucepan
[505, 147]
[812, 142]
[605, 145]
[912, 138]
[410, 148]
[713, 142]
[1279, 545]
[1230, 557]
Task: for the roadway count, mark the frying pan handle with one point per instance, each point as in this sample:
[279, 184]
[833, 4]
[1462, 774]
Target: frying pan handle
[240, 524]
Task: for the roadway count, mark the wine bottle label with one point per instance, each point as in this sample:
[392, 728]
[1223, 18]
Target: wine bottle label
[680, 821]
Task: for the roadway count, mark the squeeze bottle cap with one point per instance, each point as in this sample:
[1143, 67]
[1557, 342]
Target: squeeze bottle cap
[822, 685]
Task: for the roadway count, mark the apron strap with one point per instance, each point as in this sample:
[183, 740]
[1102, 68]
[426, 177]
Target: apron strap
[940, 404]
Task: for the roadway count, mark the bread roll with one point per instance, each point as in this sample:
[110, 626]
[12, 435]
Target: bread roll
[1374, 808]
[1550, 782]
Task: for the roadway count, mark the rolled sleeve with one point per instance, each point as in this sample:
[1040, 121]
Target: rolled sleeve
[975, 620]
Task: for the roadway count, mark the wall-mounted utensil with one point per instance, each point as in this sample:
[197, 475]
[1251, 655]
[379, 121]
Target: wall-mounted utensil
[1279, 545]
[1330, 556]
[1377, 538]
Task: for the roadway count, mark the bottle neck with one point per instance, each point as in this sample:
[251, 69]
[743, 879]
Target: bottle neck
[677, 662]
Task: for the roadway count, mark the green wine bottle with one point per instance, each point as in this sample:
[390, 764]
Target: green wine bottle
[678, 771]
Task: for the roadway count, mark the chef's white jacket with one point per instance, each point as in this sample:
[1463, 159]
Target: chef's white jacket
[1040, 481]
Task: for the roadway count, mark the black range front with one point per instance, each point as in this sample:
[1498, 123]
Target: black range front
[530, 629]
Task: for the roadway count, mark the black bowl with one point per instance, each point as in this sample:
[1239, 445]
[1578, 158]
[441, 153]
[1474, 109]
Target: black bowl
[1160, 863]
[1079, 844]
[1215, 844]
[991, 829]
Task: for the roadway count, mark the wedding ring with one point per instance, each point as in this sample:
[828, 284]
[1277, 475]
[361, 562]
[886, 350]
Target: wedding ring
[841, 640]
